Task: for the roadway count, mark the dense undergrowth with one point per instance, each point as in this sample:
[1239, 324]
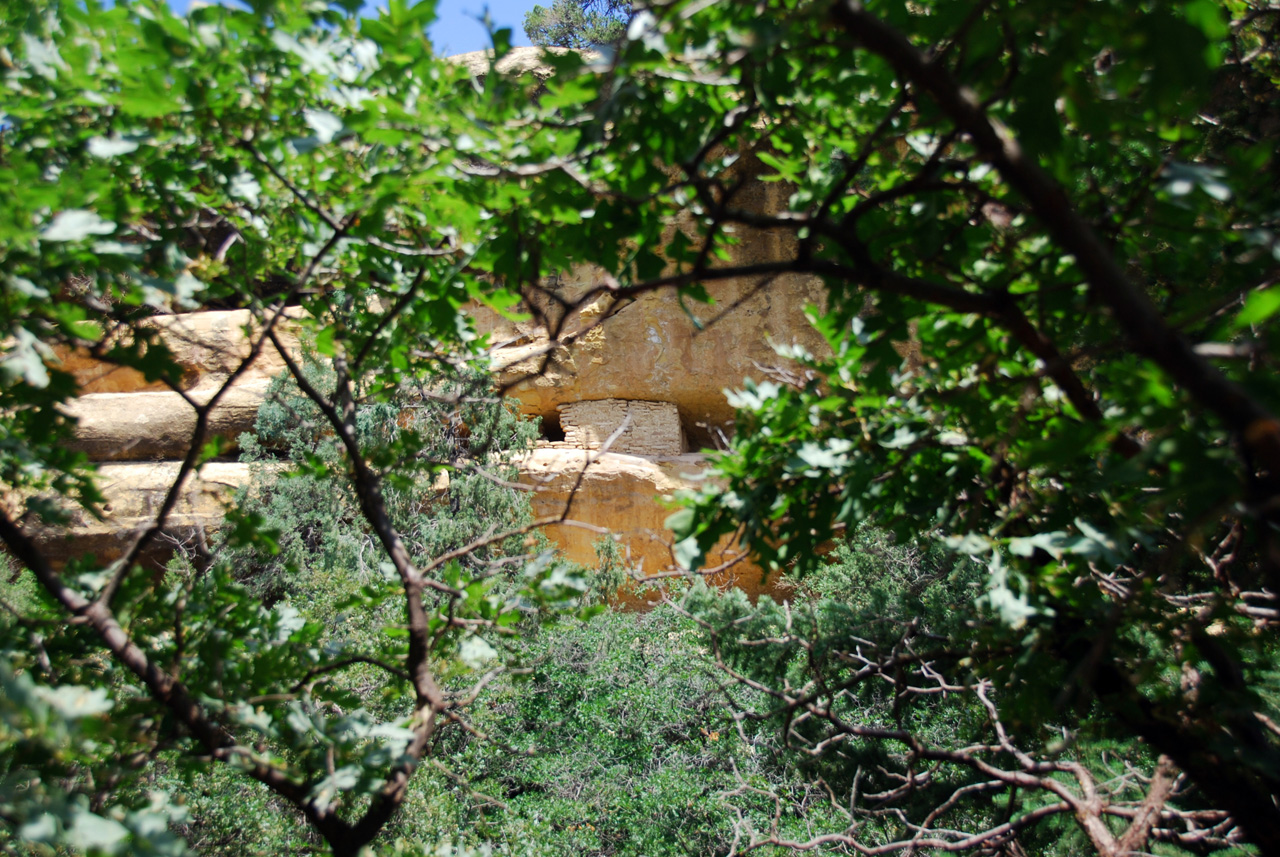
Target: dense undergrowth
[608, 733]
[597, 732]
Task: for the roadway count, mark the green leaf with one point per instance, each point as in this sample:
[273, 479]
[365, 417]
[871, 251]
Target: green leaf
[475, 652]
[43, 57]
[1259, 307]
[182, 289]
[1209, 17]
[1013, 608]
[23, 286]
[103, 147]
[289, 619]
[25, 359]
[325, 124]
[317, 57]
[72, 701]
[326, 791]
[245, 186]
[76, 224]
[324, 341]
[91, 832]
[680, 522]
[688, 554]
[1180, 179]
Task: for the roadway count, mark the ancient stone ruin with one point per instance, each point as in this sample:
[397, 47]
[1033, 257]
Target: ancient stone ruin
[623, 426]
[627, 394]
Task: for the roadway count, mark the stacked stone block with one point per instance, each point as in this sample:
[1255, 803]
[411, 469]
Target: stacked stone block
[637, 428]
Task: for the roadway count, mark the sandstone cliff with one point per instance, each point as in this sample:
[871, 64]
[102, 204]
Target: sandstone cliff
[138, 432]
[644, 378]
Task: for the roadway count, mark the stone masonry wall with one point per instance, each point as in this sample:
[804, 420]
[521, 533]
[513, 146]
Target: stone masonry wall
[651, 428]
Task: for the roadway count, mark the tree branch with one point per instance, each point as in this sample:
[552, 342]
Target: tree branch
[1257, 429]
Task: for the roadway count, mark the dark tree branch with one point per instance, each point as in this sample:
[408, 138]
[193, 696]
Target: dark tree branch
[195, 448]
[1229, 782]
[1257, 429]
[163, 687]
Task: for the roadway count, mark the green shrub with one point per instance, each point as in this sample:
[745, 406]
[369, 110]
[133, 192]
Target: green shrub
[621, 734]
[874, 666]
[612, 738]
[319, 530]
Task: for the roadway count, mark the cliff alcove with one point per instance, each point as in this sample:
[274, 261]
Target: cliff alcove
[627, 394]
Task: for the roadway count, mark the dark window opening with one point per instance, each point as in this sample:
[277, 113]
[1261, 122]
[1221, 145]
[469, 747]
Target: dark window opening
[552, 431]
[701, 436]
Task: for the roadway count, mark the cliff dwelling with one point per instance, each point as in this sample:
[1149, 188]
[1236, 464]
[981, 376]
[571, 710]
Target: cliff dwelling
[627, 395]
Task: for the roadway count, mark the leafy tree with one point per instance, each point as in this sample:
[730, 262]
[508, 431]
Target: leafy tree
[151, 161]
[1049, 240]
[318, 519]
[46, 733]
[914, 746]
[1038, 208]
[578, 23]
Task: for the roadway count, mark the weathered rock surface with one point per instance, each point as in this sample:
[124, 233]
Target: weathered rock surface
[154, 425]
[611, 493]
[656, 348]
[649, 350]
[622, 494]
[207, 346]
[121, 416]
[652, 351]
[134, 494]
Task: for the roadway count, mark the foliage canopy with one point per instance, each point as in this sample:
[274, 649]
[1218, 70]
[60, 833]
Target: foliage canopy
[1049, 238]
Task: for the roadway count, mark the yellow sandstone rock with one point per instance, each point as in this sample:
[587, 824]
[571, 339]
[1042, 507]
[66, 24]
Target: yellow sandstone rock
[159, 425]
[626, 495]
[612, 493]
[207, 346]
[134, 494]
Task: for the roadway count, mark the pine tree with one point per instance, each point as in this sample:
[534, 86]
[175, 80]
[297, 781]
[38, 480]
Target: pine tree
[578, 23]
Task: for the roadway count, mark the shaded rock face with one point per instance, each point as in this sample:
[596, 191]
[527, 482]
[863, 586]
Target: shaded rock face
[656, 348]
[134, 493]
[157, 425]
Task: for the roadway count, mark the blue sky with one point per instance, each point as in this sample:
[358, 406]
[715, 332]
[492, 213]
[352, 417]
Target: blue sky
[457, 29]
